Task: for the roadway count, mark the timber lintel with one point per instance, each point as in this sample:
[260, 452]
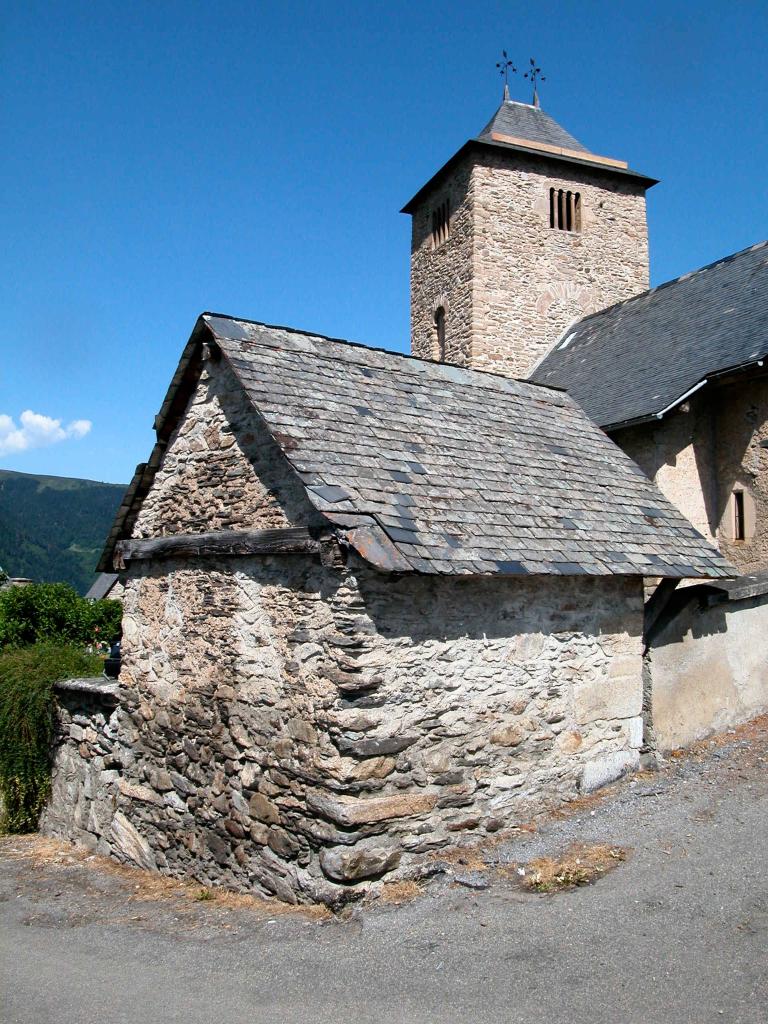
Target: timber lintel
[290, 541]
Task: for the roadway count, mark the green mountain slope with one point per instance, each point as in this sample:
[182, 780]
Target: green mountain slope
[53, 528]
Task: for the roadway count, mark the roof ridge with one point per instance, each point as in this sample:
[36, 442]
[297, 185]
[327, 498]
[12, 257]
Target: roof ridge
[388, 352]
[665, 284]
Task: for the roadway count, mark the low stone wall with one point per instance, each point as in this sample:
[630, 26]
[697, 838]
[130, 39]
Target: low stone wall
[299, 730]
[708, 667]
[87, 767]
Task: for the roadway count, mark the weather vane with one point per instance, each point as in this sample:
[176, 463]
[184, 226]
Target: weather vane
[505, 65]
[534, 75]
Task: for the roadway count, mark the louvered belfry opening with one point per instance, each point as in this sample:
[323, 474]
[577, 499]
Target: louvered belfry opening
[564, 209]
[441, 223]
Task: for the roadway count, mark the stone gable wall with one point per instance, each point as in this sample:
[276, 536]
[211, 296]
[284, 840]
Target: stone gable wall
[512, 283]
[299, 730]
[221, 469]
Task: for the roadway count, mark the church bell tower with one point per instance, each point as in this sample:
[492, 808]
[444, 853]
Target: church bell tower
[522, 232]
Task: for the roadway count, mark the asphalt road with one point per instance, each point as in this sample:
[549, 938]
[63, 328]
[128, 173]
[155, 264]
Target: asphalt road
[678, 933]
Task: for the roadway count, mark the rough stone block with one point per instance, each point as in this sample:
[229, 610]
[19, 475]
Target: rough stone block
[263, 809]
[615, 696]
[142, 793]
[511, 735]
[607, 769]
[353, 865]
[130, 843]
[352, 811]
[634, 730]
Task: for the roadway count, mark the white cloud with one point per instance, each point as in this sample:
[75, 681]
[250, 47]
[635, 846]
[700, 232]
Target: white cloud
[36, 431]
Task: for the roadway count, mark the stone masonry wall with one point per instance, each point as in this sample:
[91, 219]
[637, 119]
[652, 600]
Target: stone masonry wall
[531, 281]
[442, 276]
[514, 284]
[708, 670]
[299, 730]
[677, 454]
[698, 455]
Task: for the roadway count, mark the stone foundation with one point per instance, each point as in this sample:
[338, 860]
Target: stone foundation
[294, 729]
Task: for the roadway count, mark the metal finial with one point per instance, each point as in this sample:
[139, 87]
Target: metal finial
[505, 65]
[534, 75]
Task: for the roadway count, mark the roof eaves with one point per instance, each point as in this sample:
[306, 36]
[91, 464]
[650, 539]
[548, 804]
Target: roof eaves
[714, 375]
[531, 151]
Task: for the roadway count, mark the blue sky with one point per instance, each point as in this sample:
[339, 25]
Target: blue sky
[165, 158]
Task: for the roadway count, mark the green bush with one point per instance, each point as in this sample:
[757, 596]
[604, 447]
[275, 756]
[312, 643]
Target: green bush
[55, 612]
[27, 724]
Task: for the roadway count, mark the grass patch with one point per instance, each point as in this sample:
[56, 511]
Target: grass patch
[579, 865]
[396, 893]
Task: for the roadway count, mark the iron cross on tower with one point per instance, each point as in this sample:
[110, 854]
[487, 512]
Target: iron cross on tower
[534, 75]
[505, 65]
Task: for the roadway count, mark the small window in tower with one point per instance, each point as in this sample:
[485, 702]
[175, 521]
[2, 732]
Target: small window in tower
[440, 332]
[739, 518]
[441, 223]
[564, 209]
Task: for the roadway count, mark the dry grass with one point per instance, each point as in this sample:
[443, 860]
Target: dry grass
[579, 865]
[42, 852]
[396, 893]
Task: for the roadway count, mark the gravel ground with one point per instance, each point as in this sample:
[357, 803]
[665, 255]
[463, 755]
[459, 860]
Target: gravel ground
[678, 933]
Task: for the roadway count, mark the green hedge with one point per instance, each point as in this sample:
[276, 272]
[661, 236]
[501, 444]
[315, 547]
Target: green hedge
[55, 612]
[27, 724]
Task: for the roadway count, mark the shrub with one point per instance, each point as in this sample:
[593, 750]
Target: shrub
[55, 612]
[27, 724]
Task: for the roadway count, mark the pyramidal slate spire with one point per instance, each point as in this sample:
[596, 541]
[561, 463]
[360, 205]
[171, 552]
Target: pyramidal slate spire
[528, 123]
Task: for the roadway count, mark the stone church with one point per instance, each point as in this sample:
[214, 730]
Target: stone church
[530, 257]
[380, 605]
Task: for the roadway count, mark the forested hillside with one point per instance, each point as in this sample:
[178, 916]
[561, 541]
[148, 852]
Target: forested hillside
[53, 528]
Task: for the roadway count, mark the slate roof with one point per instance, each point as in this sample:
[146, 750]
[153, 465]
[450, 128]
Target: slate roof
[101, 586]
[640, 358]
[461, 471]
[523, 121]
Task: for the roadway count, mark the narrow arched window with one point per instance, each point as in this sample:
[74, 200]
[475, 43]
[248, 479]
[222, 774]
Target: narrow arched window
[739, 516]
[440, 332]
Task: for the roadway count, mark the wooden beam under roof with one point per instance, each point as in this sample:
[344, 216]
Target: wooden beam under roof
[290, 541]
